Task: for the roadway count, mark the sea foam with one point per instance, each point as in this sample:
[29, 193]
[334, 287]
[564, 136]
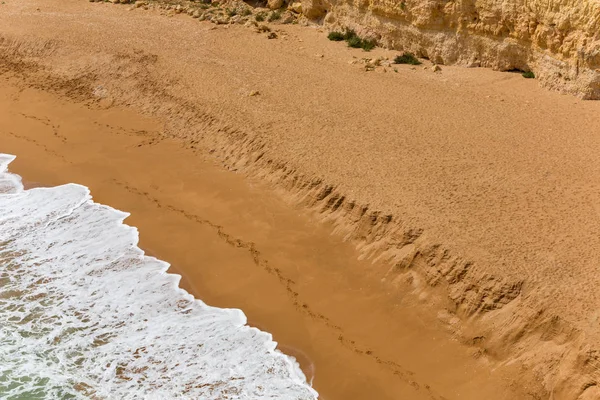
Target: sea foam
[84, 314]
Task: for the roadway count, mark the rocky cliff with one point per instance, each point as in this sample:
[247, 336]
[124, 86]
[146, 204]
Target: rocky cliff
[559, 40]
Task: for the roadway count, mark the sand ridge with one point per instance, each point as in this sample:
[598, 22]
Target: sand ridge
[476, 183]
[239, 245]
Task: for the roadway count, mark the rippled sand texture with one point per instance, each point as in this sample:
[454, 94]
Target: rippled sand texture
[238, 244]
[479, 189]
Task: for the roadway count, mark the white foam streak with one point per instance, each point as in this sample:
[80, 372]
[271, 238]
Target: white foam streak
[84, 314]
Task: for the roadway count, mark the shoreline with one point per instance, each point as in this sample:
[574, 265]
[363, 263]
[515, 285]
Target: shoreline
[342, 335]
[177, 336]
[306, 364]
[484, 223]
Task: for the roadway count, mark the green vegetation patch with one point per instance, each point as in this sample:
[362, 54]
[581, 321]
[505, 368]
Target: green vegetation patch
[352, 39]
[368, 45]
[336, 36]
[528, 75]
[354, 42]
[274, 16]
[407, 58]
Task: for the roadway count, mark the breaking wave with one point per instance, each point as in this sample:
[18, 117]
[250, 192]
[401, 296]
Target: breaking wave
[84, 314]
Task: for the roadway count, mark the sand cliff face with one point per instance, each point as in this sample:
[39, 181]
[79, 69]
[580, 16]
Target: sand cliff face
[557, 39]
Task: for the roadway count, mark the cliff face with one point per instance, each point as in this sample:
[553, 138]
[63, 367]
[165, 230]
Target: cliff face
[557, 39]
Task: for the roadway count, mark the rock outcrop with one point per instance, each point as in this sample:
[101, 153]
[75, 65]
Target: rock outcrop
[559, 40]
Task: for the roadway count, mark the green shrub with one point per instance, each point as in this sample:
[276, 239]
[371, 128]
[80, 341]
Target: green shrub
[352, 39]
[355, 42]
[336, 36]
[260, 17]
[528, 75]
[246, 12]
[407, 58]
[350, 34]
[275, 15]
[232, 13]
[367, 45]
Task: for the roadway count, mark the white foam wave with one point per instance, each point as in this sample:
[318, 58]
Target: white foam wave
[84, 314]
[9, 183]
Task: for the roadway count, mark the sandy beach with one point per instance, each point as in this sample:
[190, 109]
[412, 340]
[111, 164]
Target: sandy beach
[237, 244]
[404, 234]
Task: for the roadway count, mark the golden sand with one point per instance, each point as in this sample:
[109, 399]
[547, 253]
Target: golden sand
[475, 192]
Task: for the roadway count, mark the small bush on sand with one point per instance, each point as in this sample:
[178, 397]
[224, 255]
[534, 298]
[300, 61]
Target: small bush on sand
[352, 39]
[246, 12]
[528, 75]
[407, 58]
[232, 13]
[350, 34]
[336, 36]
[367, 45]
[260, 17]
[274, 16]
[355, 42]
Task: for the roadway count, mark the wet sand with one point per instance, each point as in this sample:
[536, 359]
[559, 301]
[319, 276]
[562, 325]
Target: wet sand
[238, 244]
[476, 191]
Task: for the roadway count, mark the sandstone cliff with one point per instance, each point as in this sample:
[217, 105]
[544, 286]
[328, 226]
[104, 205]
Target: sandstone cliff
[559, 40]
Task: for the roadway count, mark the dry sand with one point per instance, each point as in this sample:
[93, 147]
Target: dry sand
[488, 187]
[238, 245]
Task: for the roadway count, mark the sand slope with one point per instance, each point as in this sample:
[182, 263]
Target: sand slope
[478, 187]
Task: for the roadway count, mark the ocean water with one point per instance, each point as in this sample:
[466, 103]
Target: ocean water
[84, 314]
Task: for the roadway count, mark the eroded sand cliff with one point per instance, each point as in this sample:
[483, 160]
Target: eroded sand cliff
[558, 40]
